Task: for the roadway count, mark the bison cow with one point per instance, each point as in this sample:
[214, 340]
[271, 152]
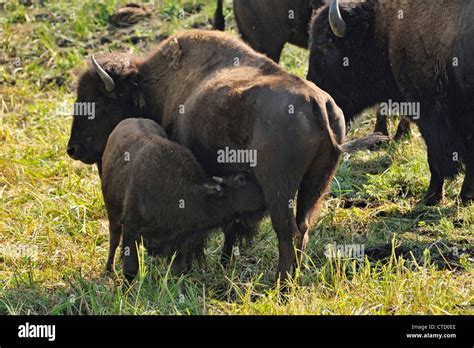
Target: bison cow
[211, 93]
[218, 97]
[267, 25]
[416, 51]
[155, 190]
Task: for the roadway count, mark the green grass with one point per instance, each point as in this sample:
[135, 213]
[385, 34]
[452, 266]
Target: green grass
[53, 226]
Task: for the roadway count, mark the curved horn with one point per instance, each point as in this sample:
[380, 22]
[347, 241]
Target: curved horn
[218, 179]
[338, 26]
[108, 81]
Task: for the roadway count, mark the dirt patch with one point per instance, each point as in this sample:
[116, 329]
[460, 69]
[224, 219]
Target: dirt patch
[191, 8]
[356, 202]
[129, 15]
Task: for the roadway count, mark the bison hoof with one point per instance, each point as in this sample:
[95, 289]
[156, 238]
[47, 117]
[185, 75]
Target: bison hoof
[129, 277]
[466, 199]
[225, 260]
[381, 129]
[402, 135]
[431, 199]
[109, 270]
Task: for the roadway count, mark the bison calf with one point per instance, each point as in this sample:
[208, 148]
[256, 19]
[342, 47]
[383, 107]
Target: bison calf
[155, 189]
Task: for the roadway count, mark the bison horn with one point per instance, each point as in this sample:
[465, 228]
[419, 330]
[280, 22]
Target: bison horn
[338, 26]
[218, 179]
[108, 81]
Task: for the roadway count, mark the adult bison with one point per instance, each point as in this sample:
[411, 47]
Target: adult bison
[267, 25]
[211, 92]
[369, 52]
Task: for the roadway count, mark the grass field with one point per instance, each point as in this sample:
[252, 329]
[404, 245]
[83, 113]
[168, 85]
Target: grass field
[53, 225]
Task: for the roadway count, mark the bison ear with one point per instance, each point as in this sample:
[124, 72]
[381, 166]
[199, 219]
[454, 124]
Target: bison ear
[173, 53]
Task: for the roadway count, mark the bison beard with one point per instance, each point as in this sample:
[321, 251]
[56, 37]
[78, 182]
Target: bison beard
[411, 58]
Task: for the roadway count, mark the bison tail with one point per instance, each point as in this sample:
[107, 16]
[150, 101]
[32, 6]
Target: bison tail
[365, 143]
[219, 20]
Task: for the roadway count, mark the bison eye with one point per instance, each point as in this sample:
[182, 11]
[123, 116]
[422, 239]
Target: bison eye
[240, 179]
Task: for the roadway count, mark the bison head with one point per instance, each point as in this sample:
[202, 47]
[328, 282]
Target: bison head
[346, 59]
[243, 191]
[108, 91]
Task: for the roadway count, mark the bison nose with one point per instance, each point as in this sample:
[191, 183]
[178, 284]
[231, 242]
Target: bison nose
[72, 151]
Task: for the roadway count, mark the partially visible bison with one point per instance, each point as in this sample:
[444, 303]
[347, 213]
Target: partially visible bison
[267, 25]
[155, 190]
[416, 52]
[211, 93]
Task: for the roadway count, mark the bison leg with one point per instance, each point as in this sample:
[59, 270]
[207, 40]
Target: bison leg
[130, 252]
[403, 130]
[381, 123]
[274, 52]
[272, 47]
[179, 264]
[312, 189]
[284, 223]
[244, 228]
[261, 36]
[381, 126]
[434, 195]
[219, 20]
[230, 237]
[467, 191]
[115, 231]
[279, 197]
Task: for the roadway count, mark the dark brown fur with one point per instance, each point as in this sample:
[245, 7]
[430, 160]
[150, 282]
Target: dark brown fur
[156, 190]
[265, 25]
[409, 59]
[234, 97]
[268, 25]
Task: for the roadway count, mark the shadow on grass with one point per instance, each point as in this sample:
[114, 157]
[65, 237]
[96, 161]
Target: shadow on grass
[444, 255]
